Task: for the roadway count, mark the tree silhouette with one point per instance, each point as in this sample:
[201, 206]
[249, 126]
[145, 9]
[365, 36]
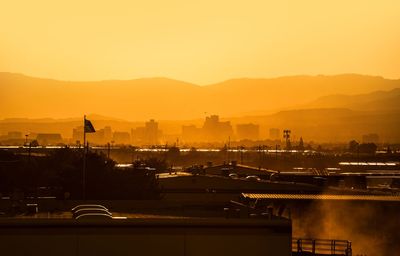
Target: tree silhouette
[301, 144]
[353, 146]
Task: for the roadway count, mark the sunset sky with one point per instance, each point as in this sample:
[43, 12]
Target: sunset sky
[198, 41]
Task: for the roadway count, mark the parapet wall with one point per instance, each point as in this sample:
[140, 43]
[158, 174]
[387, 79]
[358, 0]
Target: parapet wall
[181, 236]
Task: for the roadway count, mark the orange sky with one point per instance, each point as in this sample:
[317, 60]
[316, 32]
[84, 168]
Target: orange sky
[198, 41]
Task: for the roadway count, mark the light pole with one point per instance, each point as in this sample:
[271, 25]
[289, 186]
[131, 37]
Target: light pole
[108, 150]
[241, 154]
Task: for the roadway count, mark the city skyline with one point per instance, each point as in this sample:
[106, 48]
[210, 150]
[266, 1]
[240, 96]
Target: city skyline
[212, 131]
[207, 127]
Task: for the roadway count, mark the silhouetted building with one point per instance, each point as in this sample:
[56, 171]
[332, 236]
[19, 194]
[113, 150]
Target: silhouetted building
[215, 130]
[151, 129]
[13, 138]
[14, 135]
[274, 134]
[101, 136]
[49, 138]
[248, 131]
[147, 135]
[77, 135]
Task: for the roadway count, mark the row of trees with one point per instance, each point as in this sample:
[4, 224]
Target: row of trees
[60, 174]
[363, 148]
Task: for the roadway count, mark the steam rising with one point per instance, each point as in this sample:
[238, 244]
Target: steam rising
[372, 228]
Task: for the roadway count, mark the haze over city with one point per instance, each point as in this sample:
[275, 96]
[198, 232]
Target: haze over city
[183, 61]
[311, 106]
[240, 128]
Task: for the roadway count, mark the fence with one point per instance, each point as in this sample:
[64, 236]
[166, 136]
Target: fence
[301, 246]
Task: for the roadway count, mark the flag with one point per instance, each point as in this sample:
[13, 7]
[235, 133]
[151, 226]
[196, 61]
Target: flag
[89, 126]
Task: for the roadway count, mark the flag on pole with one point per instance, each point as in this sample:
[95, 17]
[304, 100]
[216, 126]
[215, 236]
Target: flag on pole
[89, 127]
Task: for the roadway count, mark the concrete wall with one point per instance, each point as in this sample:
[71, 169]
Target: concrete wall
[191, 237]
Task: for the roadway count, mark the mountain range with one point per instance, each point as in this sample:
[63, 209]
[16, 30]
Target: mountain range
[320, 108]
[374, 101]
[162, 98]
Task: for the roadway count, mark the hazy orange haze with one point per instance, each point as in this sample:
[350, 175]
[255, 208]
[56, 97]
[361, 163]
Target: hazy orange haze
[198, 41]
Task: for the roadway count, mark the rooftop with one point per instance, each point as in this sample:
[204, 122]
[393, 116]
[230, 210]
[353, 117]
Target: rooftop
[322, 197]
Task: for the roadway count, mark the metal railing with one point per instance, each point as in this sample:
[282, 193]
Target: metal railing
[307, 246]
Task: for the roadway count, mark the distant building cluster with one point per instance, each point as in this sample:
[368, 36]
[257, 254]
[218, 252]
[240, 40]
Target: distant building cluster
[18, 138]
[49, 138]
[147, 135]
[213, 130]
[101, 136]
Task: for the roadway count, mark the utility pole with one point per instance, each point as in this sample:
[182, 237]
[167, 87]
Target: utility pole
[286, 136]
[87, 127]
[29, 151]
[229, 148]
[108, 150]
[241, 154]
[84, 160]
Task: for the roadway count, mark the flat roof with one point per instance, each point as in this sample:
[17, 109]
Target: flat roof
[370, 163]
[173, 174]
[322, 197]
[148, 222]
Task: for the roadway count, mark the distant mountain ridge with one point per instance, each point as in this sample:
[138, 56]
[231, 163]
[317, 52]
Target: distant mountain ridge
[378, 100]
[58, 120]
[333, 118]
[168, 99]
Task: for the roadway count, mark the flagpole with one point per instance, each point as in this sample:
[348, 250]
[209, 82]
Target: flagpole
[84, 160]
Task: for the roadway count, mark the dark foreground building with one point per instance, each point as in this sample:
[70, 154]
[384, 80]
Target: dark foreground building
[146, 236]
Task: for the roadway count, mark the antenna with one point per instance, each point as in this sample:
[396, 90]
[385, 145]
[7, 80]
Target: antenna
[286, 136]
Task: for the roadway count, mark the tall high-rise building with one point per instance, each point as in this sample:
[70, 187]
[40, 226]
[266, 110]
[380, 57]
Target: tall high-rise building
[215, 130]
[147, 135]
[151, 132]
[77, 135]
